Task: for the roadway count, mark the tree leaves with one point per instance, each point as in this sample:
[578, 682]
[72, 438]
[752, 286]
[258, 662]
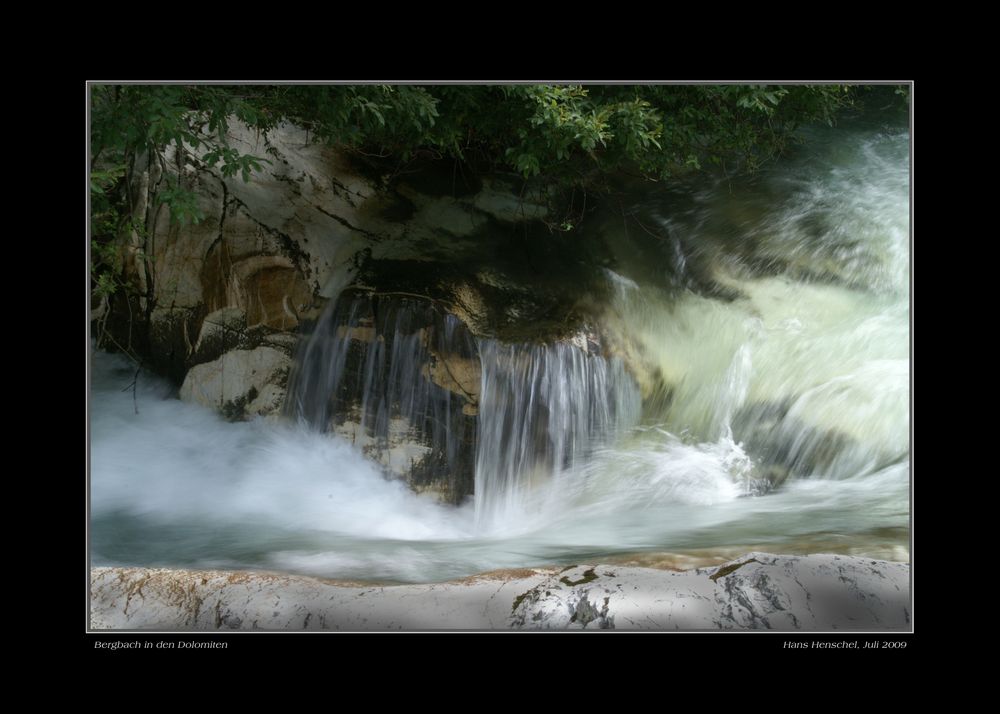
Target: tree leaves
[182, 202]
[568, 134]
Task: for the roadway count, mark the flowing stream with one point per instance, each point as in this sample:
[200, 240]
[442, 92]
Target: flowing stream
[756, 395]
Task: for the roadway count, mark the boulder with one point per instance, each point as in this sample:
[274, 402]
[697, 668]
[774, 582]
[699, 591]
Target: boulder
[241, 383]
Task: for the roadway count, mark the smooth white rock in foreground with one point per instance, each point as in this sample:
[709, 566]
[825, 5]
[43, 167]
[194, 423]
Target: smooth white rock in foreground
[756, 591]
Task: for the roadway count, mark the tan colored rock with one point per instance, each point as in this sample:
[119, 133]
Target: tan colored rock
[219, 326]
[270, 290]
[241, 383]
[399, 456]
[459, 375]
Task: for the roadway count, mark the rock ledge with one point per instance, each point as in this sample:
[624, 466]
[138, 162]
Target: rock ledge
[755, 591]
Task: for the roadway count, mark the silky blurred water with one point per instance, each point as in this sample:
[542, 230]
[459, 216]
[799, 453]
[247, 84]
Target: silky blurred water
[802, 370]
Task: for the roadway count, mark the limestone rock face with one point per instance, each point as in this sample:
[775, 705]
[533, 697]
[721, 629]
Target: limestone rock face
[755, 592]
[277, 248]
[240, 383]
[266, 248]
[226, 301]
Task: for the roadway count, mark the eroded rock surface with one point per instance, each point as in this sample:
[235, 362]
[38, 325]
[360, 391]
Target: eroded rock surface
[757, 591]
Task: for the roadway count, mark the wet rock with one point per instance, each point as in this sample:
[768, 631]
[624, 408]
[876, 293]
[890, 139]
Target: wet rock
[398, 377]
[459, 375]
[783, 446]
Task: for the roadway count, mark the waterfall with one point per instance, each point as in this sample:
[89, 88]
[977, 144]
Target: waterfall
[400, 379]
[766, 323]
[392, 374]
[543, 409]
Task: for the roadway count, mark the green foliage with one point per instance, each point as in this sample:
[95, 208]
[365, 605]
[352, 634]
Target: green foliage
[565, 137]
[133, 123]
[183, 204]
[100, 181]
[564, 134]
[233, 162]
[128, 120]
[104, 282]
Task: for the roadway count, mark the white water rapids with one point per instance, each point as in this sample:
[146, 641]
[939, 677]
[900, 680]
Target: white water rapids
[798, 377]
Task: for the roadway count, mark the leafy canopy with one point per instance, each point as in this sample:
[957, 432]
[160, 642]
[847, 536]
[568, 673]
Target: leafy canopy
[569, 134]
[533, 129]
[564, 136]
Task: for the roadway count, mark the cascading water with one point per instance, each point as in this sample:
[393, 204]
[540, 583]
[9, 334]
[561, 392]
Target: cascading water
[766, 324]
[390, 373]
[806, 363]
[543, 410]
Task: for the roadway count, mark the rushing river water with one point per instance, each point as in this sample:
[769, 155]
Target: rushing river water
[776, 320]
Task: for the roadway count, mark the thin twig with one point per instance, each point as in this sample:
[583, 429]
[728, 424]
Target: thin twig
[134, 385]
[660, 237]
[398, 293]
[127, 353]
[135, 378]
